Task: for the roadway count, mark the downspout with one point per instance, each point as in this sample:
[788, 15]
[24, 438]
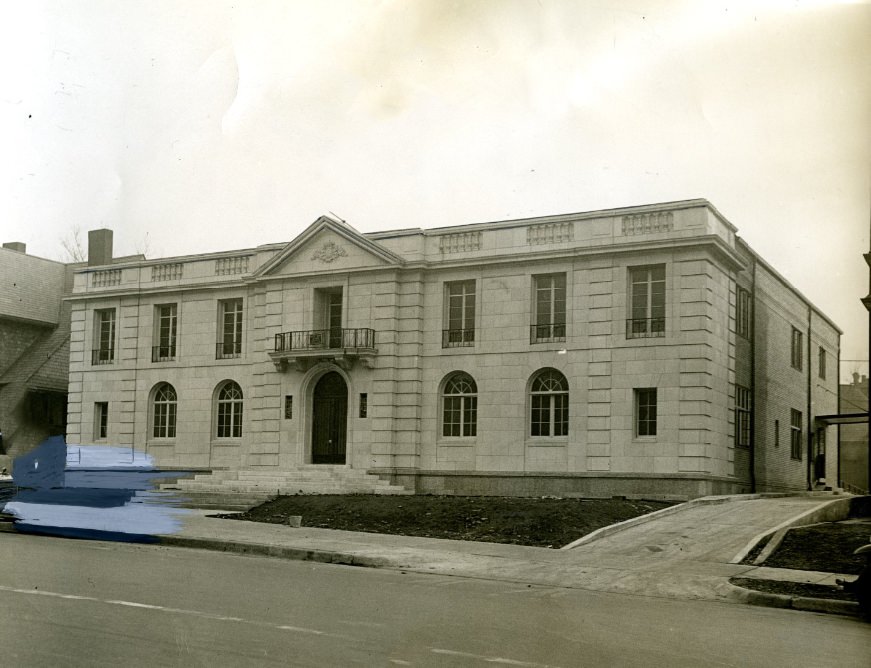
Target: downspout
[838, 399]
[753, 402]
[810, 431]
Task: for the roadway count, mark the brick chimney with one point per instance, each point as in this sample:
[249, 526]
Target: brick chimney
[16, 246]
[99, 247]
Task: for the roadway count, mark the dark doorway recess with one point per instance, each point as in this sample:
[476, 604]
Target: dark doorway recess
[329, 420]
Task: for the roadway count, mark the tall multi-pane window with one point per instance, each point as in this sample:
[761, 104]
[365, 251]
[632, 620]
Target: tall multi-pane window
[646, 302]
[230, 343]
[104, 336]
[742, 313]
[101, 420]
[796, 349]
[164, 412]
[742, 415]
[166, 325]
[460, 314]
[822, 365]
[795, 434]
[460, 406]
[549, 404]
[550, 308]
[229, 423]
[645, 411]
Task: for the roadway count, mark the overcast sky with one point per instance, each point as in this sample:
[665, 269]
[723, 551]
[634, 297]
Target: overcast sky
[209, 126]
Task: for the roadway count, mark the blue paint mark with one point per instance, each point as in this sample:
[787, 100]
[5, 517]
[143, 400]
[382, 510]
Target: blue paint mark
[96, 492]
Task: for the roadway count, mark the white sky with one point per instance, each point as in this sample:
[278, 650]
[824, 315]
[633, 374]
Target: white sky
[210, 126]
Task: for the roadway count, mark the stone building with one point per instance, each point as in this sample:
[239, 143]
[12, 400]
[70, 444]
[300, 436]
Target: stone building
[643, 351]
[34, 349]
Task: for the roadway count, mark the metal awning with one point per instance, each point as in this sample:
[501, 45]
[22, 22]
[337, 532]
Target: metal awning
[843, 418]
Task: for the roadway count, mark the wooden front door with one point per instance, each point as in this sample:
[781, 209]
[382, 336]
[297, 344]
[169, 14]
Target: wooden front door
[329, 420]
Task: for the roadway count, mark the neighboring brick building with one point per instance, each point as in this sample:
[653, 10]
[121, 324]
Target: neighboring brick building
[630, 351]
[34, 349]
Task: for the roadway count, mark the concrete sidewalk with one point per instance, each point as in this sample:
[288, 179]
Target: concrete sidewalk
[686, 552]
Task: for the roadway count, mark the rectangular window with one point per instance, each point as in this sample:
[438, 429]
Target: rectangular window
[288, 407]
[822, 369]
[795, 434]
[364, 404]
[742, 313]
[742, 415]
[101, 420]
[230, 315]
[166, 331]
[460, 416]
[646, 302]
[645, 411]
[460, 314]
[104, 335]
[796, 349]
[550, 415]
[550, 308]
[777, 433]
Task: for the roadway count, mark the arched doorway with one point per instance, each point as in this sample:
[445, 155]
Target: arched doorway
[329, 419]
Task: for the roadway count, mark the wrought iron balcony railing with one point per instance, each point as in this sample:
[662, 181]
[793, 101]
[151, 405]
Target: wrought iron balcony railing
[325, 339]
[103, 356]
[642, 328]
[228, 350]
[545, 333]
[454, 338]
[163, 353]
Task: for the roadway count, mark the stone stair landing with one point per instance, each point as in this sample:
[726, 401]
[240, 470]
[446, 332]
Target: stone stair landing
[244, 489]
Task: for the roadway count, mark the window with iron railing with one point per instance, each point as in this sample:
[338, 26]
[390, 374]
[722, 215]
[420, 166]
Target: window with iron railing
[459, 314]
[646, 302]
[550, 309]
[230, 323]
[104, 336]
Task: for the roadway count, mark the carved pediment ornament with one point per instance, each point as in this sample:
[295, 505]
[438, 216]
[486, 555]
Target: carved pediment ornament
[329, 252]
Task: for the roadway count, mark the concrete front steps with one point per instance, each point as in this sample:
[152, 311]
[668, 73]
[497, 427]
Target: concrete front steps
[241, 490]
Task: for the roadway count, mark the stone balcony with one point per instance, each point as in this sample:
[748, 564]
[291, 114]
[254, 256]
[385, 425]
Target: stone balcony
[341, 346]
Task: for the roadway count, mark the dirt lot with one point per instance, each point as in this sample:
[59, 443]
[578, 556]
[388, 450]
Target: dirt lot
[541, 522]
[824, 547]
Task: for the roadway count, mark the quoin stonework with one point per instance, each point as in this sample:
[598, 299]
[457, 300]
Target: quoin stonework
[644, 351]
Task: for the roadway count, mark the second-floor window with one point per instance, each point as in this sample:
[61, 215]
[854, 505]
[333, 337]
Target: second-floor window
[460, 314]
[104, 335]
[550, 308]
[230, 333]
[166, 332]
[796, 349]
[646, 302]
[822, 369]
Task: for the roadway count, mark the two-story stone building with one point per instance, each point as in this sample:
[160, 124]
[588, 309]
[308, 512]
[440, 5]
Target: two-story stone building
[639, 351]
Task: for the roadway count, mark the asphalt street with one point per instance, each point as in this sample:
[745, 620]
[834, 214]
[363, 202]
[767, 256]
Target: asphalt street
[85, 603]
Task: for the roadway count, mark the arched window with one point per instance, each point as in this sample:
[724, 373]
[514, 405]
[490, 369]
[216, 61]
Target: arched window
[549, 404]
[229, 424]
[164, 411]
[460, 406]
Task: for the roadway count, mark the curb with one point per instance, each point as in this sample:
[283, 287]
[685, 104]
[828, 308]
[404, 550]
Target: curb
[262, 549]
[805, 603]
[778, 533]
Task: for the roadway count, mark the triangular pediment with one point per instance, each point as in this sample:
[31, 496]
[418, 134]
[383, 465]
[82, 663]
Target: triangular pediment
[328, 245]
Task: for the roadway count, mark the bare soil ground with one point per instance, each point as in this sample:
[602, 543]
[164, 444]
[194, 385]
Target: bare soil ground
[540, 522]
[824, 547]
